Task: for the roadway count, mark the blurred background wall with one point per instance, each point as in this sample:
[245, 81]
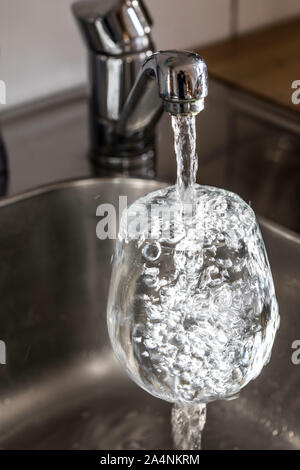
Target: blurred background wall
[41, 51]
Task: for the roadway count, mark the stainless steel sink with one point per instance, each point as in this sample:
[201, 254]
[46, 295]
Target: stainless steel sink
[61, 387]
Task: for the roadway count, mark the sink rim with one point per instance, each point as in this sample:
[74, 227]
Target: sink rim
[274, 227]
[78, 182]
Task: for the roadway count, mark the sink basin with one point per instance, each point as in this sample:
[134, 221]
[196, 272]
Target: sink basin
[61, 387]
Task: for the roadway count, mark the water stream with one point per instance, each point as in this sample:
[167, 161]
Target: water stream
[187, 421]
[184, 128]
[187, 425]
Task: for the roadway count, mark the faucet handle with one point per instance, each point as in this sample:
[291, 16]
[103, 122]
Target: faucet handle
[114, 27]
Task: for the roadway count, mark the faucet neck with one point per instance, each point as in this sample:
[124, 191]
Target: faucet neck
[117, 34]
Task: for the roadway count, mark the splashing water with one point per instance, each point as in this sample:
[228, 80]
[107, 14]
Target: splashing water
[192, 312]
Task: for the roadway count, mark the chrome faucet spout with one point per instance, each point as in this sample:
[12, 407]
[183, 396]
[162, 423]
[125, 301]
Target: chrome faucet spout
[175, 81]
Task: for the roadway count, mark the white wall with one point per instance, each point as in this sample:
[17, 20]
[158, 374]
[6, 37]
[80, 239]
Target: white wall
[189, 23]
[41, 51]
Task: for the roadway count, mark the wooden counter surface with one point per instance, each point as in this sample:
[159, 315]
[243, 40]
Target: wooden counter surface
[264, 62]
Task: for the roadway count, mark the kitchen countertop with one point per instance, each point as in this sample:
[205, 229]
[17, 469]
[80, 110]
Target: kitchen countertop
[264, 62]
[244, 145]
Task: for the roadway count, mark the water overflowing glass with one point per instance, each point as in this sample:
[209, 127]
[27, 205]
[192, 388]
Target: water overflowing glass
[192, 312]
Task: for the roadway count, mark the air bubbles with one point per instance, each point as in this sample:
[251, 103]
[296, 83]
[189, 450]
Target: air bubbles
[151, 251]
[198, 301]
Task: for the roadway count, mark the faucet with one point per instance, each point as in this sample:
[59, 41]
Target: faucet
[129, 85]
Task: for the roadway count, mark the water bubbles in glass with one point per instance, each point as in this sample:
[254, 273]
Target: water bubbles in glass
[192, 312]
